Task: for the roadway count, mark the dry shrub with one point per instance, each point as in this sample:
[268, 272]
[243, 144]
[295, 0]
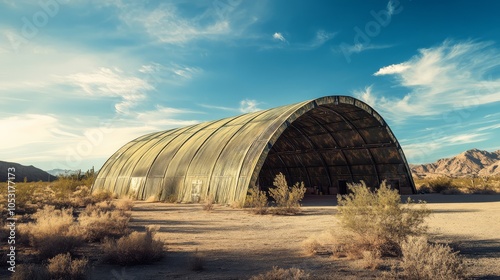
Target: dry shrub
[282, 274]
[30, 272]
[311, 246]
[106, 206]
[97, 223]
[153, 199]
[257, 200]
[208, 205]
[81, 197]
[196, 262]
[422, 260]
[377, 221]
[135, 248]
[124, 204]
[238, 204]
[102, 195]
[371, 260]
[440, 184]
[62, 267]
[53, 232]
[287, 198]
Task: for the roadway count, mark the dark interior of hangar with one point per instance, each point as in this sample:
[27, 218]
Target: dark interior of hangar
[333, 145]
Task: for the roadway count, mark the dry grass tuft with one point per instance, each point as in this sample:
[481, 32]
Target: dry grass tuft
[208, 205]
[371, 260]
[53, 232]
[422, 260]
[124, 204]
[282, 274]
[256, 200]
[135, 248]
[287, 198]
[62, 267]
[98, 224]
[152, 199]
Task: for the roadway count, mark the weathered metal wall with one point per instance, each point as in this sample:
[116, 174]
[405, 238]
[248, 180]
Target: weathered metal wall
[322, 142]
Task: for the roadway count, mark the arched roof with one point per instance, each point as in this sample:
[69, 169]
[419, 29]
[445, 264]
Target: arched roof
[324, 142]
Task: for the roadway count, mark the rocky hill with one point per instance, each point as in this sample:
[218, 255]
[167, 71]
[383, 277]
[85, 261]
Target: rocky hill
[471, 162]
[31, 173]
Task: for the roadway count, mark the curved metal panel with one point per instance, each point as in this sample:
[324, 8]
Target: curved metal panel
[321, 142]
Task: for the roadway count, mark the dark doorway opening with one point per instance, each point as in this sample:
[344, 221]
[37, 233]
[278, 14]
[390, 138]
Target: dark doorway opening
[342, 187]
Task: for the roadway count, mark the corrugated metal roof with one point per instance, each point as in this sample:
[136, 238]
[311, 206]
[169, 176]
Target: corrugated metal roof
[324, 142]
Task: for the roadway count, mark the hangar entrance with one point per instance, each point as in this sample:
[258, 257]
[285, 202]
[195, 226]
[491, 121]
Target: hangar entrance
[330, 146]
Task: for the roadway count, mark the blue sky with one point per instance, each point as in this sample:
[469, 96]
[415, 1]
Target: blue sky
[81, 78]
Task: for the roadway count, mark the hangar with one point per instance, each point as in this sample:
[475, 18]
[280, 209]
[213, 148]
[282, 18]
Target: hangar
[326, 143]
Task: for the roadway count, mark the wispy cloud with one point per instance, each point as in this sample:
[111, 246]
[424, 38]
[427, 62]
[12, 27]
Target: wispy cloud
[418, 149]
[449, 77]
[111, 83]
[168, 24]
[249, 105]
[246, 106]
[279, 37]
[392, 69]
[358, 48]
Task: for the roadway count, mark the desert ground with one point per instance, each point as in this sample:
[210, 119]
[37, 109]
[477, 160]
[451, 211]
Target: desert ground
[235, 244]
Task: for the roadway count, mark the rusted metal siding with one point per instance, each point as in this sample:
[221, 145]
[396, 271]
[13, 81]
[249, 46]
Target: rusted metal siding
[323, 142]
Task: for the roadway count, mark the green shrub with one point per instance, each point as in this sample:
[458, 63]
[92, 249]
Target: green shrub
[287, 198]
[377, 221]
[256, 200]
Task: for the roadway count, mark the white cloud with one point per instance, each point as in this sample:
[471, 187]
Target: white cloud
[424, 147]
[357, 48]
[248, 106]
[168, 25]
[441, 80]
[392, 69]
[111, 83]
[278, 36]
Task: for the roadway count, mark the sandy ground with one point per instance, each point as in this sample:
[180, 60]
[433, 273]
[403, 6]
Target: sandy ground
[235, 244]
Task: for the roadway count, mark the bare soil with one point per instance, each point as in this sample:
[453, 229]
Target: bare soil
[235, 244]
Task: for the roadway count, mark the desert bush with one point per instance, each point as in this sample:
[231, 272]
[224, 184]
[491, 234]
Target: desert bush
[256, 200]
[377, 221]
[52, 232]
[96, 223]
[208, 204]
[102, 195]
[287, 198]
[311, 246]
[124, 204]
[135, 248]
[282, 274]
[62, 267]
[422, 260]
[439, 184]
[30, 272]
[371, 260]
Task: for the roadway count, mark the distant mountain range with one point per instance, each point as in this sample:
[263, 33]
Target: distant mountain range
[59, 172]
[471, 162]
[31, 173]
